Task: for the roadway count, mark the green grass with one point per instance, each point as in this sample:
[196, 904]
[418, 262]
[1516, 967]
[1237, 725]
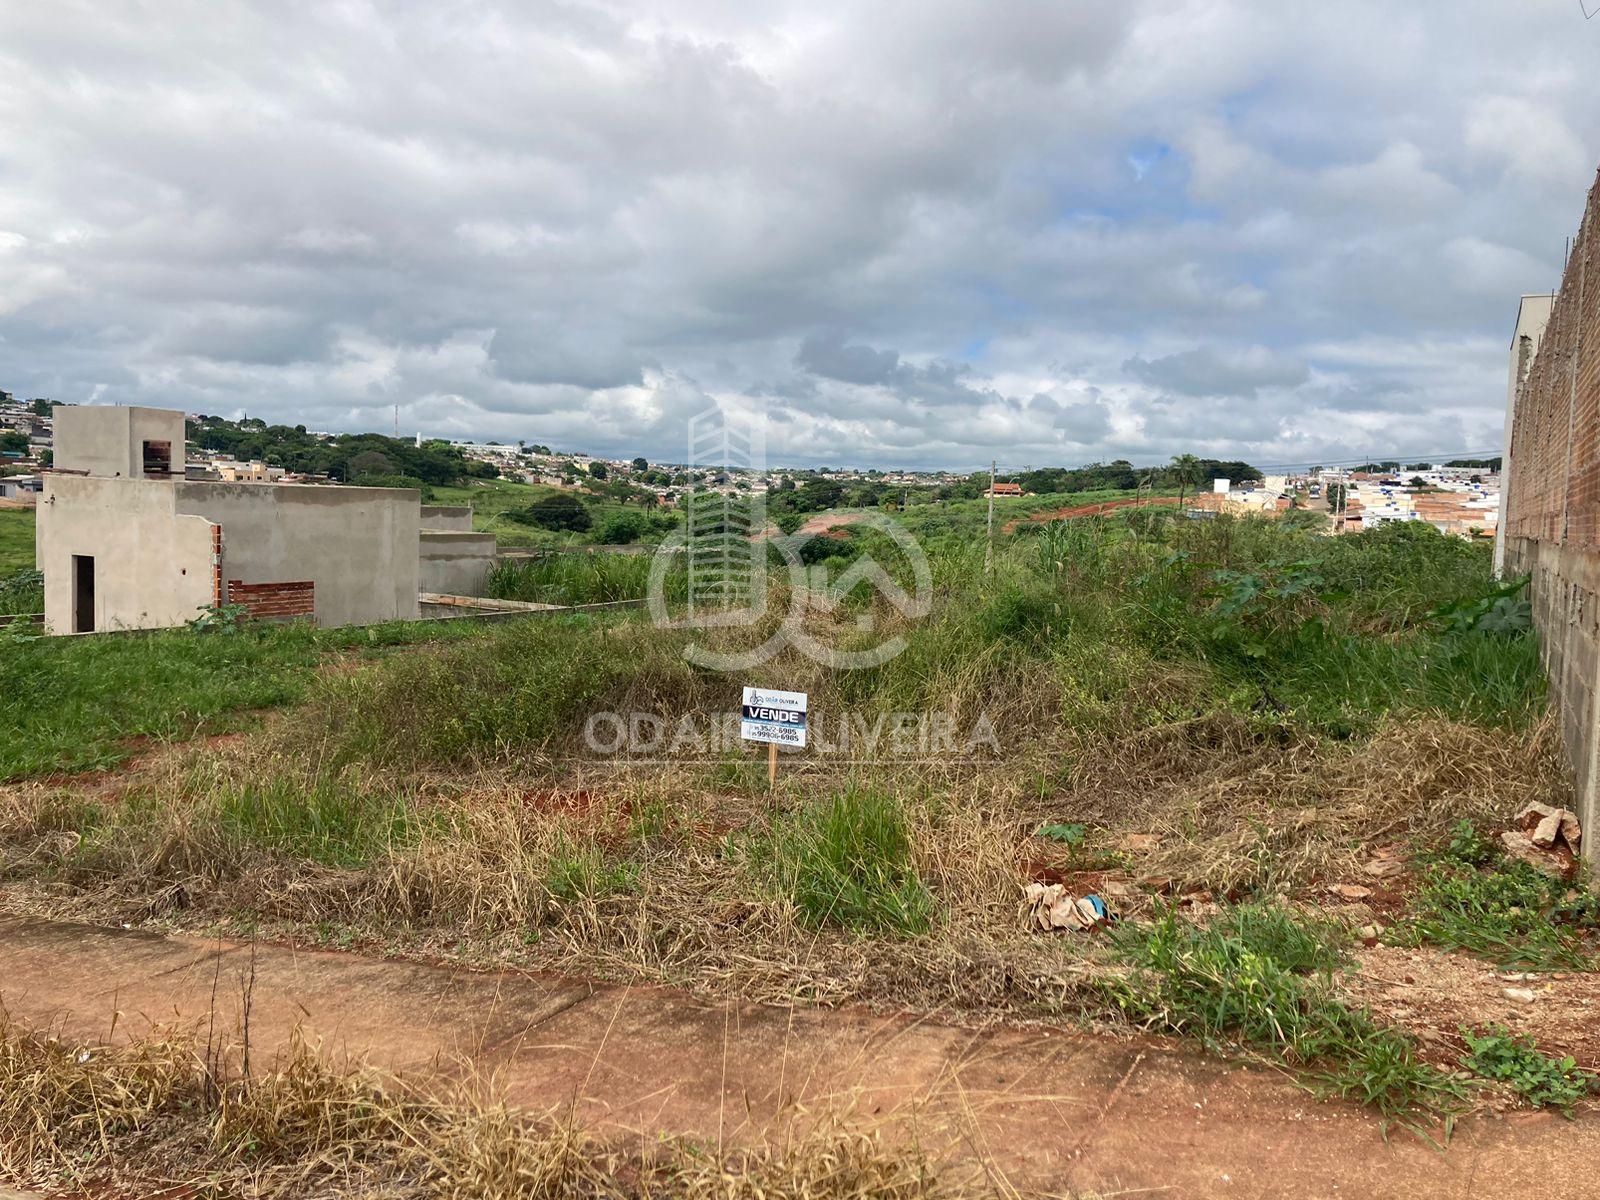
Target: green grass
[571, 578]
[1082, 626]
[1473, 898]
[74, 704]
[580, 870]
[16, 540]
[1262, 978]
[506, 694]
[334, 820]
[846, 861]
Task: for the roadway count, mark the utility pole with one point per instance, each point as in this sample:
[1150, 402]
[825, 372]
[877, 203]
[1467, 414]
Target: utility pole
[988, 550]
[397, 422]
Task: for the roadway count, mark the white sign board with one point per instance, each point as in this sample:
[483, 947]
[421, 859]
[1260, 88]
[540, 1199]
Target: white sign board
[778, 718]
[1221, 487]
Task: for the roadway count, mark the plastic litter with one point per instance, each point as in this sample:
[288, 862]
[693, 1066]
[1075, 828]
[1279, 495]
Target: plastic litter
[1049, 906]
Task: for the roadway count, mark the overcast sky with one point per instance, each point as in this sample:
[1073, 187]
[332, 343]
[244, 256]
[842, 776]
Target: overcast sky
[913, 233]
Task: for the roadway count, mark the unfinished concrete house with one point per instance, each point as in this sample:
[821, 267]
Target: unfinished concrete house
[126, 542]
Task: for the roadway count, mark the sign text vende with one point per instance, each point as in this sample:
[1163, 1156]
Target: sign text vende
[777, 718]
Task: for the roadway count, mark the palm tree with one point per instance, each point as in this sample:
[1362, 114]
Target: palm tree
[1186, 467]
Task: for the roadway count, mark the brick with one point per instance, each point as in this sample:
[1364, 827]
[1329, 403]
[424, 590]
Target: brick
[266, 601]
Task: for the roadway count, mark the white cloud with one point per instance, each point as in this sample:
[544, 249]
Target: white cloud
[916, 232]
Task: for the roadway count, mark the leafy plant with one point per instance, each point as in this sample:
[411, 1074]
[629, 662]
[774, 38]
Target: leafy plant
[1496, 612]
[1071, 834]
[1468, 847]
[22, 592]
[1506, 616]
[18, 631]
[1262, 976]
[1513, 1059]
[1240, 590]
[220, 618]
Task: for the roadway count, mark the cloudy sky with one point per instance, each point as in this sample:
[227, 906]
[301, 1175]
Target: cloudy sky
[911, 232]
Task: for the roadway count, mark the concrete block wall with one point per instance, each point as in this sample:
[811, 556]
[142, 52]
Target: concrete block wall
[356, 545]
[454, 517]
[455, 563]
[1552, 531]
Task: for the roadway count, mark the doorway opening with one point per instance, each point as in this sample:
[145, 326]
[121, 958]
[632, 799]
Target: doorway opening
[83, 593]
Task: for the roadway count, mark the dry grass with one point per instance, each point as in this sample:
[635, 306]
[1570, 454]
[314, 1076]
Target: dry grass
[1239, 809]
[644, 873]
[160, 1113]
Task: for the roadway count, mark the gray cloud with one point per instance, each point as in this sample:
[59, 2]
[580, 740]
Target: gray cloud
[830, 356]
[1208, 372]
[929, 232]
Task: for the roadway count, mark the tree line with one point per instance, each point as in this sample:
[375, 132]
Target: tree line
[369, 459]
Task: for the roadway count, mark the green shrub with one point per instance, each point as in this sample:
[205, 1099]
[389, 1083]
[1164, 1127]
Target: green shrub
[332, 819]
[22, 592]
[847, 861]
[624, 528]
[1263, 977]
[1542, 1081]
[559, 510]
[394, 481]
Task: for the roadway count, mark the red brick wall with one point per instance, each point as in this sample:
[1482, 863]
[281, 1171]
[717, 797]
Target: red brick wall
[216, 565]
[1552, 531]
[1555, 437]
[269, 600]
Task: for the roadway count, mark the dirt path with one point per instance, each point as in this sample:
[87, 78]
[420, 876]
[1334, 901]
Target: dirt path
[1089, 510]
[1052, 1110]
[818, 524]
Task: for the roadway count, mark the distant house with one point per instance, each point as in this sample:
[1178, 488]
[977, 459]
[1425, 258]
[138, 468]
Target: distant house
[22, 489]
[248, 472]
[1005, 489]
[127, 541]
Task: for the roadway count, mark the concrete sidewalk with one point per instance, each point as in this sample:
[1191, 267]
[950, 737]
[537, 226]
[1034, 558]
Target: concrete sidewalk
[1051, 1111]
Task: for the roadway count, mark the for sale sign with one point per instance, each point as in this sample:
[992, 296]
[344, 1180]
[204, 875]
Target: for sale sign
[778, 718]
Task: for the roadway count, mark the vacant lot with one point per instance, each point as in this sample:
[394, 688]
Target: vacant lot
[1281, 758]
[16, 540]
[493, 499]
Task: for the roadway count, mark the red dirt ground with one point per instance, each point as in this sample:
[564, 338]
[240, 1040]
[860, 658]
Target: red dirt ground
[1049, 1110]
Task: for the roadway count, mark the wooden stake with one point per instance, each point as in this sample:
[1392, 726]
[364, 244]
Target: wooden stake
[988, 549]
[772, 765]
